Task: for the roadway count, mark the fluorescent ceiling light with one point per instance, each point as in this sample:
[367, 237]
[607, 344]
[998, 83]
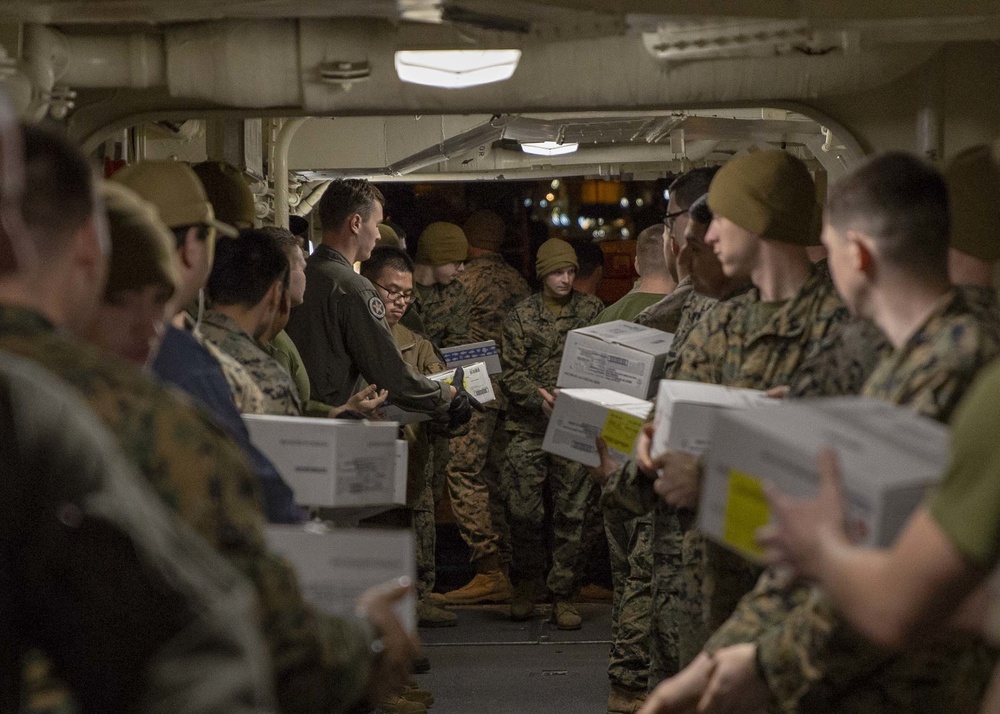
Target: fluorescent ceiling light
[549, 148]
[454, 69]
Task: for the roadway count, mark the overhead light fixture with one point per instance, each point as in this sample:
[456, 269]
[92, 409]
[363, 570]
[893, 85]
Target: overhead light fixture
[549, 148]
[455, 69]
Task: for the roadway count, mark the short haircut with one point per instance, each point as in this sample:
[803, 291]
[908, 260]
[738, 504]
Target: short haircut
[245, 269]
[902, 203]
[284, 239]
[687, 187]
[345, 197]
[589, 257]
[649, 251]
[58, 188]
[386, 256]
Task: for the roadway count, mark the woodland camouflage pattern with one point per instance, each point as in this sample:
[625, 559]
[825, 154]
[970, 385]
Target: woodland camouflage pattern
[811, 659]
[473, 473]
[280, 395]
[320, 663]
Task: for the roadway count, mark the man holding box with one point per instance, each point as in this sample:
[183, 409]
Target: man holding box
[391, 272]
[533, 337]
[785, 647]
[763, 204]
[474, 470]
[340, 327]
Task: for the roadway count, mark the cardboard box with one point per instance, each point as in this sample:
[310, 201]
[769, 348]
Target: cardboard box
[618, 355]
[334, 566]
[581, 414]
[686, 411]
[889, 458]
[477, 383]
[331, 462]
[402, 467]
[473, 352]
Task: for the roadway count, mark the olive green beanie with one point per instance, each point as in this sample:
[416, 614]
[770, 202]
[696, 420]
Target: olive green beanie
[228, 192]
[441, 243]
[485, 230]
[973, 179]
[142, 247]
[770, 194]
[387, 236]
[554, 254]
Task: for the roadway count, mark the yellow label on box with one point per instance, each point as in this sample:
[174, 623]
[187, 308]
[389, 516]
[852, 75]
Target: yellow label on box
[746, 511]
[621, 430]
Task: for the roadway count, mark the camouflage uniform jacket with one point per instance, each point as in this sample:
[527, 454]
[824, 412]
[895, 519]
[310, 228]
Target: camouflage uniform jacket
[666, 314]
[531, 352]
[444, 312]
[275, 382]
[493, 287]
[725, 349]
[982, 299]
[247, 395]
[844, 363]
[284, 352]
[321, 664]
[134, 606]
[811, 660]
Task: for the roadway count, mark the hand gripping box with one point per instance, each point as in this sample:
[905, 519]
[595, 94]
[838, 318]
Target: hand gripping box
[889, 458]
[334, 566]
[686, 411]
[477, 383]
[332, 462]
[580, 415]
[618, 355]
[473, 352]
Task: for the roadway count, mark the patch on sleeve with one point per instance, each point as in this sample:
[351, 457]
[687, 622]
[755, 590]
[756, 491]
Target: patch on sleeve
[376, 308]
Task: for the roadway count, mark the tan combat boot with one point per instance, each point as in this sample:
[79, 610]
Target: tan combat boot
[429, 615]
[522, 602]
[414, 693]
[490, 584]
[566, 616]
[397, 705]
[625, 701]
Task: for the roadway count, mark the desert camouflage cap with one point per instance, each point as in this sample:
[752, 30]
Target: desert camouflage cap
[174, 188]
[142, 248]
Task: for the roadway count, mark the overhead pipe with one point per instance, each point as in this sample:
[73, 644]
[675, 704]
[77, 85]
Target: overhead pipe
[279, 170]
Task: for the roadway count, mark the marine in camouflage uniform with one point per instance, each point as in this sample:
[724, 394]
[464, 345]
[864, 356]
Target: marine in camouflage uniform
[666, 314]
[810, 659]
[87, 553]
[473, 473]
[533, 339]
[281, 397]
[248, 396]
[320, 663]
[628, 494]
[444, 313]
[420, 354]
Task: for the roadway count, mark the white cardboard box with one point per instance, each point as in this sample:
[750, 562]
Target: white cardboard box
[617, 355]
[473, 352]
[402, 467]
[334, 566]
[889, 458]
[686, 411]
[580, 415]
[477, 383]
[331, 462]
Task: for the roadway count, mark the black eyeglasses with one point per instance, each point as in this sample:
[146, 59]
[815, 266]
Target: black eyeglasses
[668, 220]
[395, 295]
